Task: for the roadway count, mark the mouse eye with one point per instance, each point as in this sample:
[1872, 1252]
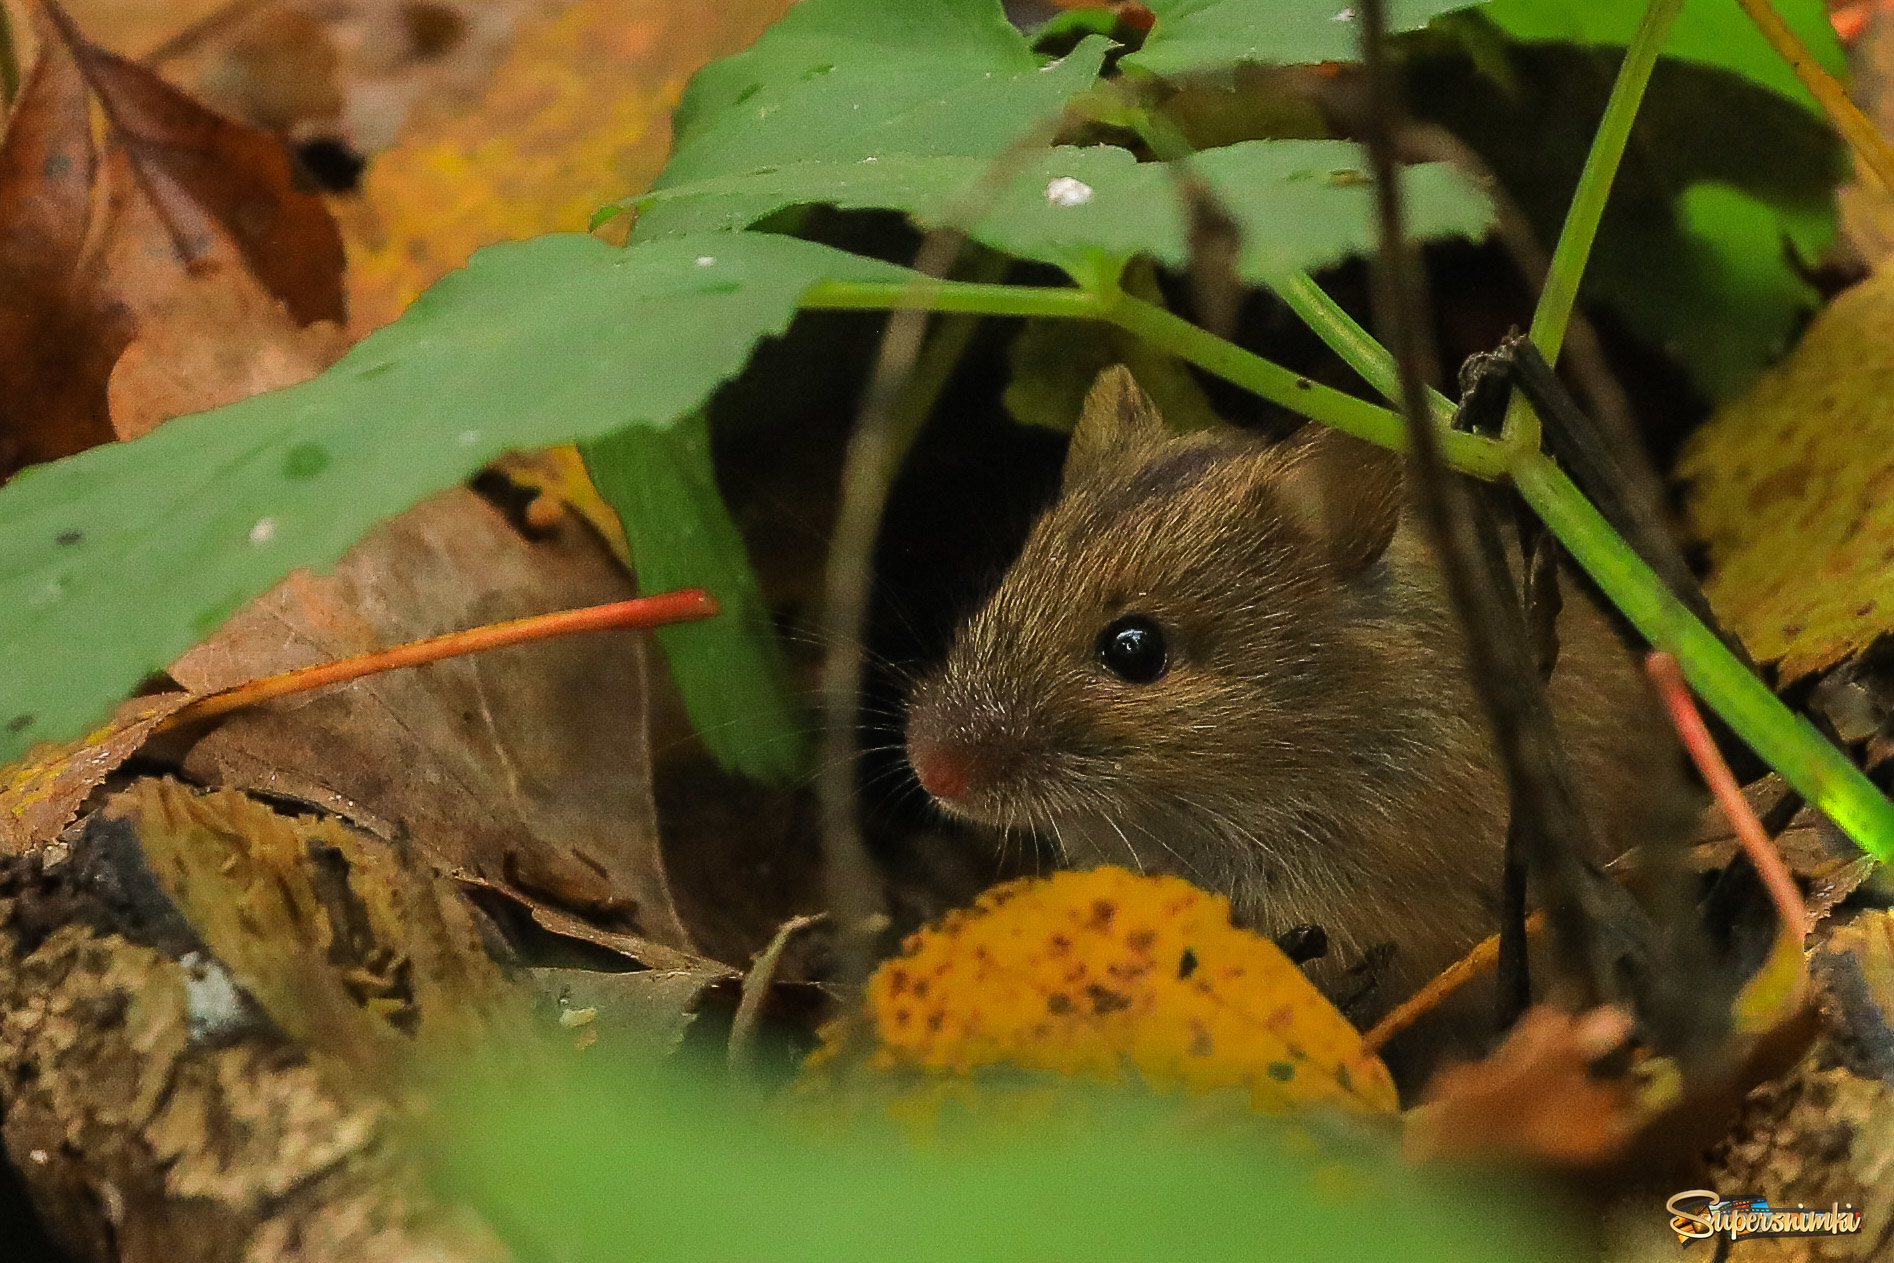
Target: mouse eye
[1133, 649]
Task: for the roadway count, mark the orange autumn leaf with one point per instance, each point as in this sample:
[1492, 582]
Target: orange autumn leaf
[577, 116]
[1106, 974]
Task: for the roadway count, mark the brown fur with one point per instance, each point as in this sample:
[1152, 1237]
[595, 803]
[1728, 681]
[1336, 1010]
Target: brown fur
[1314, 750]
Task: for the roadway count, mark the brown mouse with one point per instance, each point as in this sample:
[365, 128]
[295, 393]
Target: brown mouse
[1233, 661]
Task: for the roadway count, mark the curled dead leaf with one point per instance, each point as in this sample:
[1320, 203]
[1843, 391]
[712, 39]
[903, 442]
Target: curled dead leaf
[183, 270]
[1535, 1097]
[42, 793]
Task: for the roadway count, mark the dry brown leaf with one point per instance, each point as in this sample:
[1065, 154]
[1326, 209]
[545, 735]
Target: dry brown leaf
[524, 767]
[42, 793]
[207, 176]
[642, 1013]
[562, 923]
[188, 258]
[61, 329]
[309, 70]
[207, 335]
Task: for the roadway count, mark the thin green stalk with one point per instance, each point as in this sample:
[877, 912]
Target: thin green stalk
[1348, 339]
[1819, 772]
[1560, 293]
[1554, 311]
[968, 296]
[1468, 453]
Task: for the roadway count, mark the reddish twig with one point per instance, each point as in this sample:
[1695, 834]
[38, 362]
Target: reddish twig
[1664, 673]
[642, 612]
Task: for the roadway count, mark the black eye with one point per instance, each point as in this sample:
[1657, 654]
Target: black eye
[1133, 649]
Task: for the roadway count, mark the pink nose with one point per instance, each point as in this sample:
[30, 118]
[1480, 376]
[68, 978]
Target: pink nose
[944, 771]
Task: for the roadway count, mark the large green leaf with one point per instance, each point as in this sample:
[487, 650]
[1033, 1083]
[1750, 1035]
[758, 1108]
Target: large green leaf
[1301, 203]
[1714, 33]
[602, 1163]
[847, 80]
[120, 558]
[1193, 35]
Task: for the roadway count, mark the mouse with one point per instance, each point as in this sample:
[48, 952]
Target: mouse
[1233, 661]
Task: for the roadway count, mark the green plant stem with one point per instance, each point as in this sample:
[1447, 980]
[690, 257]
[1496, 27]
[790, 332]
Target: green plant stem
[1468, 453]
[1554, 311]
[1357, 347]
[1560, 292]
[1818, 771]
[968, 296]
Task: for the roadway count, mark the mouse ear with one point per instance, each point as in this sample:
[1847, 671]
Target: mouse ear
[1118, 421]
[1346, 493]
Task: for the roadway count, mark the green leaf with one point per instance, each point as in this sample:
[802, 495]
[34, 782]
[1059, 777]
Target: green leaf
[605, 1164]
[1715, 34]
[728, 669]
[847, 80]
[118, 559]
[1730, 301]
[1301, 203]
[1723, 185]
[1196, 35]
[1305, 204]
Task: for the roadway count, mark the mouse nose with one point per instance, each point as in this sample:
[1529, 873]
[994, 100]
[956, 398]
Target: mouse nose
[944, 771]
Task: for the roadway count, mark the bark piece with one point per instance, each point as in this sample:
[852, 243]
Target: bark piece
[155, 1119]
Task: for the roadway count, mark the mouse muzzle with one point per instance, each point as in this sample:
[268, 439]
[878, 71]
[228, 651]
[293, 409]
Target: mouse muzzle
[967, 757]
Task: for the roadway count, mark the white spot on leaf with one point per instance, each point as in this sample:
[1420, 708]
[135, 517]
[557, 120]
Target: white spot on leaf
[1065, 191]
[1346, 15]
[263, 532]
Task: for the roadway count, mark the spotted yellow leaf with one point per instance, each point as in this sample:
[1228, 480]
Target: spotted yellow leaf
[1111, 975]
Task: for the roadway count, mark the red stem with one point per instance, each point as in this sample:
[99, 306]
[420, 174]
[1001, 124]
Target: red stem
[641, 612]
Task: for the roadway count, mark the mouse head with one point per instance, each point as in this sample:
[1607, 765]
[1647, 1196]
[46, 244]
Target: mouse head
[1190, 620]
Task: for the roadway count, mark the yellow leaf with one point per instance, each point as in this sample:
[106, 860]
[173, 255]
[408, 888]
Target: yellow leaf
[576, 117]
[1793, 489]
[1107, 974]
